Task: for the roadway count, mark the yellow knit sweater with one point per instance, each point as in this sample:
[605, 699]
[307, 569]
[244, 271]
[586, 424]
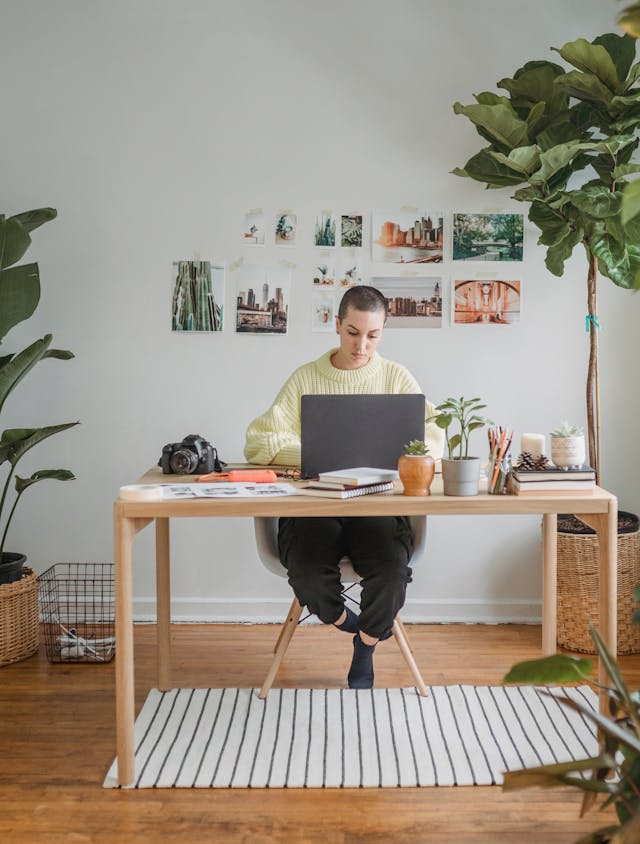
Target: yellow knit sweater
[274, 437]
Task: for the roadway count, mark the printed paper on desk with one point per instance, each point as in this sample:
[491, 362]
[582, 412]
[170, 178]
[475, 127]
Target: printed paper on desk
[175, 492]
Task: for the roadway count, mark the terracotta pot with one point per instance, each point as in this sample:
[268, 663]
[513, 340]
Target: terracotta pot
[416, 473]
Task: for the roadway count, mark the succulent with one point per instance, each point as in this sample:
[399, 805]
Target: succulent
[566, 430]
[418, 447]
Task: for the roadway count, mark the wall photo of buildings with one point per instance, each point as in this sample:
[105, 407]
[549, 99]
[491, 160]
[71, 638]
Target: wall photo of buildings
[486, 302]
[198, 296]
[262, 298]
[412, 302]
[403, 237]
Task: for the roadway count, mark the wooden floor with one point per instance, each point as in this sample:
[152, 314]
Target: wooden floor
[57, 742]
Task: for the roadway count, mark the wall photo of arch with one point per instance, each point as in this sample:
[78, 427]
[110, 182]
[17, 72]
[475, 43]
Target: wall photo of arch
[486, 302]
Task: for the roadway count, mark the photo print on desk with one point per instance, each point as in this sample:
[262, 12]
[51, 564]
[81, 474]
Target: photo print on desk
[412, 302]
[262, 298]
[286, 228]
[351, 230]
[198, 296]
[254, 228]
[488, 237]
[485, 302]
[325, 229]
[406, 237]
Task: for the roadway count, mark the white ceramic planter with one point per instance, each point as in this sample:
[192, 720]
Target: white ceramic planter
[461, 477]
[568, 451]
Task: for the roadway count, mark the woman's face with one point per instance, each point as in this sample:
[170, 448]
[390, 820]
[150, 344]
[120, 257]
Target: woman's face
[359, 333]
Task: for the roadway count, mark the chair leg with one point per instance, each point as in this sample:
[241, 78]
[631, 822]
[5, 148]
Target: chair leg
[284, 638]
[403, 644]
[404, 633]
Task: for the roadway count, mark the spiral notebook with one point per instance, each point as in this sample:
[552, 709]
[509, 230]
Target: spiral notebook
[355, 492]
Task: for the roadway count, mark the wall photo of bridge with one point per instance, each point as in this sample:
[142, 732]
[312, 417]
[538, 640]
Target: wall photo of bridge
[488, 237]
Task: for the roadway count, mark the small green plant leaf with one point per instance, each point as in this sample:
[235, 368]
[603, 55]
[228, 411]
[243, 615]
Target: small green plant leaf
[42, 475]
[557, 668]
[19, 295]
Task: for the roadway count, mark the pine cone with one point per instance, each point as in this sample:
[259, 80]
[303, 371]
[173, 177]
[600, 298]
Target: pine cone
[526, 461]
[541, 462]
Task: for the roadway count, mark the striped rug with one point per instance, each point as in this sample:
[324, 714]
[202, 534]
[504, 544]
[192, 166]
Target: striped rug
[340, 738]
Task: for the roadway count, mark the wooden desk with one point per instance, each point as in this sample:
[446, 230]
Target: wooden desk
[599, 510]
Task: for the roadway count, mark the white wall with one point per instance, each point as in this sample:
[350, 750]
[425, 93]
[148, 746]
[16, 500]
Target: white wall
[152, 127]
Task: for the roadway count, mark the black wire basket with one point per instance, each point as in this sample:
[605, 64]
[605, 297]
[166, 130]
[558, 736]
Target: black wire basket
[77, 608]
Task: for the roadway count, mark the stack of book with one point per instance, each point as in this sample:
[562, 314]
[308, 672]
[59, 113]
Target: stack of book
[350, 483]
[552, 479]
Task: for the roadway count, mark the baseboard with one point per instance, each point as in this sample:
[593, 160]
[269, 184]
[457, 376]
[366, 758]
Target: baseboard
[266, 611]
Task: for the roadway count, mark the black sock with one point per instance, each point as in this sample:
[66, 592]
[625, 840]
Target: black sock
[350, 624]
[361, 671]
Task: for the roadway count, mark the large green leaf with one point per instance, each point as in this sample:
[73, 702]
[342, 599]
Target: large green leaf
[42, 475]
[553, 775]
[585, 86]
[38, 217]
[622, 50]
[556, 159]
[16, 442]
[556, 668]
[13, 372]
[623, 170]
[19, 295]
[14, 241]
[499, 121]
[597, 201]
[625, 735]
[523, 160]
[631, 201]
[562, 251]
[592, 59]
[618, 261]
[554, 226]
[483, 167]
[533, 83]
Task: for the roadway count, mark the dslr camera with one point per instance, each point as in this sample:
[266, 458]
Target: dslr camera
[193, 456]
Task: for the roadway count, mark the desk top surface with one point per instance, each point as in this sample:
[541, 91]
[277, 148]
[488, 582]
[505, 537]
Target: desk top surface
[381, 504]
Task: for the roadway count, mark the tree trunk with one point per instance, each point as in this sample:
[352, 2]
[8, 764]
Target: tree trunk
[593, 378]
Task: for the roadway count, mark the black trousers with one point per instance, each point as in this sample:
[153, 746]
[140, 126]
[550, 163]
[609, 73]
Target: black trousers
[379, 548]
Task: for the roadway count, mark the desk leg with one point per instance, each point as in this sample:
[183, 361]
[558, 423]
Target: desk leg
[124, 532]
[163, 604]
[549, 583]
[606, 528]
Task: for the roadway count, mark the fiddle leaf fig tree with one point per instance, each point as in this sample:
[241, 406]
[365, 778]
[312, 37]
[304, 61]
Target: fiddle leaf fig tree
[564, 139]
[19, 297]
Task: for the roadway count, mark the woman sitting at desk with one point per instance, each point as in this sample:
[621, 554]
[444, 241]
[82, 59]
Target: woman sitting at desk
[379, 547]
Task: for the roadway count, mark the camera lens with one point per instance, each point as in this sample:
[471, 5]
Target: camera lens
[183, 462]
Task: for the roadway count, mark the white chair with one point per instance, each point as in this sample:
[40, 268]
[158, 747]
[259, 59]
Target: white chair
[266, 530]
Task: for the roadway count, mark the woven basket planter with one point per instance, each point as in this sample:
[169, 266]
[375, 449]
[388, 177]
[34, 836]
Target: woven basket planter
[578, 583]
[19, 620]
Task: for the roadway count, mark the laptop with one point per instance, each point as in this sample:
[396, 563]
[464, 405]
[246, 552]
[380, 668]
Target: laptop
[347, 431]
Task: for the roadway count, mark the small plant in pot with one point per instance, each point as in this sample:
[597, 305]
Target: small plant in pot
[460, 473]
[568, 446]
[19, 297]
[416, 468]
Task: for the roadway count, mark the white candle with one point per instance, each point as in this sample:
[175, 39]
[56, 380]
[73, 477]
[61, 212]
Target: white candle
[533, 443]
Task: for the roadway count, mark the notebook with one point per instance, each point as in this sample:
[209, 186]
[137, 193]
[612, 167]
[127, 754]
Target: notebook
[339, 432]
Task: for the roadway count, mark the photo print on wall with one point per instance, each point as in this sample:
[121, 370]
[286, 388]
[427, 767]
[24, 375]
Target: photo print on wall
[262, 298]
[325, 229]
[198, 296]
[488, 237]
[324, 272]
[349, 270]
[254, 228]
[406, 237]
[286, 228]
[412, 302]
[485, 302]
[323, 311]
[351, 230]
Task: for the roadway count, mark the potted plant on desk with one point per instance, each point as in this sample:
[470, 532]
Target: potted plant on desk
[416, 468]
[19, 297]
[460, 473]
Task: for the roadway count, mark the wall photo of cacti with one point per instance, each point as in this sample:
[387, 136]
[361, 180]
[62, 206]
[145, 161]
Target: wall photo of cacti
[325, 230]
[198, 296]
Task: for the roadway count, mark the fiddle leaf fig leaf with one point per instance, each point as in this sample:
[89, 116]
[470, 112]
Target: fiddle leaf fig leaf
[585, 86]
[591, 59]
[561, 251]
[556, 159]
[500, 122]
[533, 83]
[618, 261]
[553, 226]
[630, 201]
[623, 170]
[524, 160]
[622, 50]
[557, 668]
[483, 167]
[597, 201]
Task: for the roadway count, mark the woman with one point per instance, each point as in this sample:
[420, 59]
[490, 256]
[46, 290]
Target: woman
[379, 547]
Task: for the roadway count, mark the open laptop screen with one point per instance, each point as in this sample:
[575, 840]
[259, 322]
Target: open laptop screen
[346, 431]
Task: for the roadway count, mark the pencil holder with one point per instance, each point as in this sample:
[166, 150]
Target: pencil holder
[498, 482]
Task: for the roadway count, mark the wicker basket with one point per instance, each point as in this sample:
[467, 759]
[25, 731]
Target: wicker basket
[578, 583]
[19, 621]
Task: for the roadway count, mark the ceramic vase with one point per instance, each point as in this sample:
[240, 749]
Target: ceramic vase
[568, 451]
[461, 477]
[416, 473]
